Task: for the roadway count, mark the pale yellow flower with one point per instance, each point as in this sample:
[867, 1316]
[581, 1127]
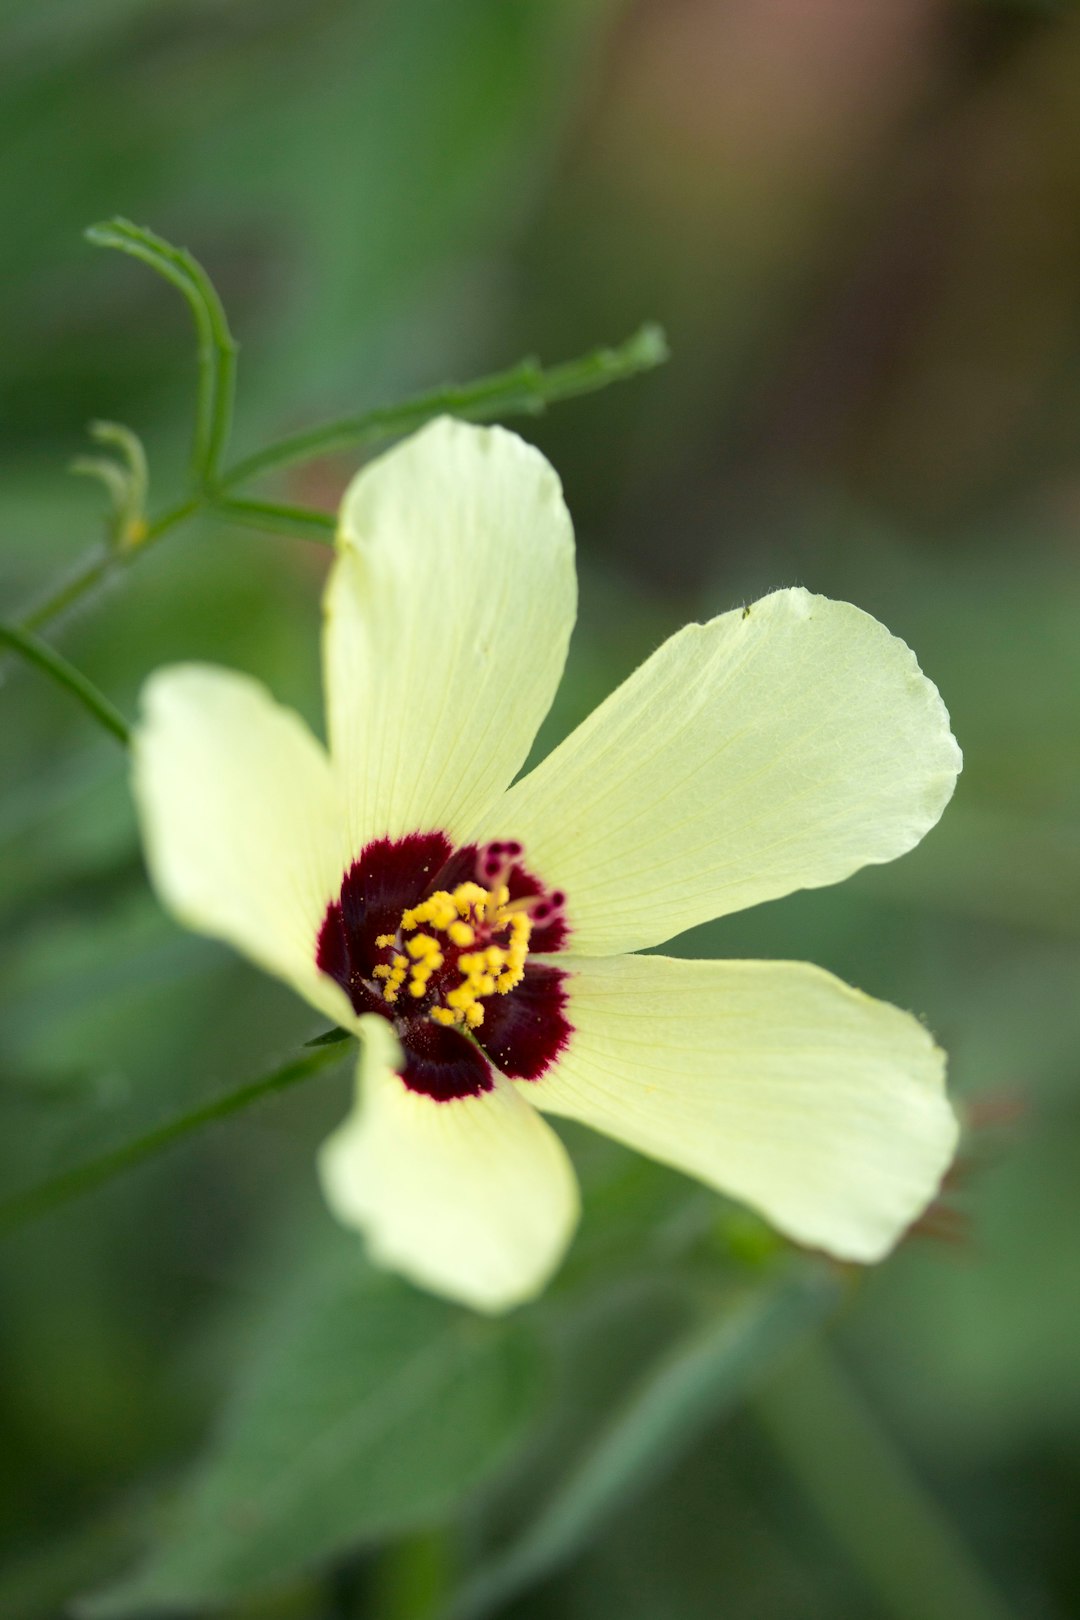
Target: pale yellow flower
[472, 933]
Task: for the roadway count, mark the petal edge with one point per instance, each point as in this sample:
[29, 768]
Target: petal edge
[474, 1199]
[240, 819]
[448, 615]
[776, 748]
[773, 1082]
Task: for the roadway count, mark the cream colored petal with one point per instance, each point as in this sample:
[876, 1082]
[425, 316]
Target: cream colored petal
[448, 614]
[771, 1081]
[474, 1199]
[240, 820]
[778, 747]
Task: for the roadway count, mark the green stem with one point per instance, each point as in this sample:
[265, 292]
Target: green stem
[97, 566]
[43, 657]
[83, 1177]
[91, 571]
[866, 1495]
[216, 347]
[524, 390]
[283, 519]
[704, 1376]
[221, 420]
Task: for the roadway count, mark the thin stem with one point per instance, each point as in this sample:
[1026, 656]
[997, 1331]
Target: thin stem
[90, 572]
[221, 422]
[705, 1375]
[524, 390]
[98, 564]
[216, 346]
[283, 519]
[170, 520]
[43, 657]
[83, 1177]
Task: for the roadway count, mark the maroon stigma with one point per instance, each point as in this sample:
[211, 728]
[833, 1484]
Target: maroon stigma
[465, 994]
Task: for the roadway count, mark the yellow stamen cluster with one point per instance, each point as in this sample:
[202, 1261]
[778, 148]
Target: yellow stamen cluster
[468, 917]
[393, 972]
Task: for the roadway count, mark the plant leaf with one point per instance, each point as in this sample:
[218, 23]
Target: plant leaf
[217, 347]
[370, 1410]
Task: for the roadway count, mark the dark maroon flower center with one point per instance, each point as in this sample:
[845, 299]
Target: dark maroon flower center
[442, 941]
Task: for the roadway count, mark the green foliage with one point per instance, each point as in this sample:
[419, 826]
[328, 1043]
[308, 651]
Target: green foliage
[874, 394]
[50, 662]
[217, 347]
[714, 1367]
[92, 1171]
[524, 388]
[369, 1411]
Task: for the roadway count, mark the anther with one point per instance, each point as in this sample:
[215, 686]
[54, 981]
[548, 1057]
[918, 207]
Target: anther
[477, 930]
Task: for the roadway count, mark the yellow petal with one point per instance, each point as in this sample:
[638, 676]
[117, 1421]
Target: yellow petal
[772, 1081]
[240, 820]
[474, 1199]
[775, 748]
[448, 614]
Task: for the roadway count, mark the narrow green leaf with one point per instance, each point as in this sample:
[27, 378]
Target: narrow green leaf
[330, 1037]
[216, 346]
[80, 1178]
[51, 663]
[526, 389]
[282, 519]
[130, 446]
[371, 1410]
[108, 472]
[126, 481]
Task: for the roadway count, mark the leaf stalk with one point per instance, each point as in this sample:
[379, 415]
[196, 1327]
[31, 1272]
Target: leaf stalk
[37, 652]
[48, 1195]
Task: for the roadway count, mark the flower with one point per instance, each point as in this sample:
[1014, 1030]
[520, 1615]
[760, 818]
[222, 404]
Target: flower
[476, 935]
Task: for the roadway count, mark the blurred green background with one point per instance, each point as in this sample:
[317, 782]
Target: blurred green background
[860, 225]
